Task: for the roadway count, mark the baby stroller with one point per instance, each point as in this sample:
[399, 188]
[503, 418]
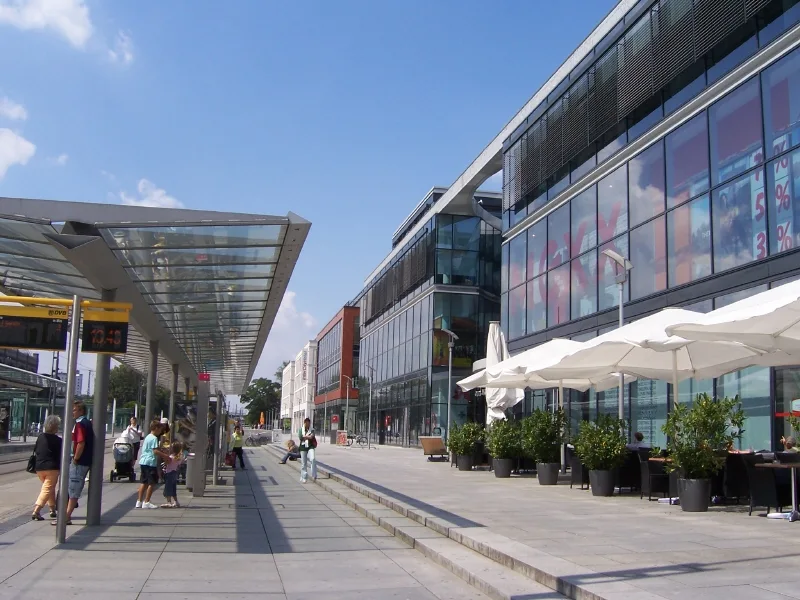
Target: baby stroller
[123, 459]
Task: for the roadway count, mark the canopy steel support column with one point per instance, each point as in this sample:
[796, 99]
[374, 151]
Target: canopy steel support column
[173, 398]
[152, 378]
[201, 441]
[103, 367]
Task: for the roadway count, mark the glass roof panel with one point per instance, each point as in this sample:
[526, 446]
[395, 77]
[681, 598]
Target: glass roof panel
[37, 264]
[220, 298]
[203, 236]
[30, 249]
[19, 275]
[184, 309]
[199, 256]
[22, 230]
[204, 286]
[21, 287]
[201, 273]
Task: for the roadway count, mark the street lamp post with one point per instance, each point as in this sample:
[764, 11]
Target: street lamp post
[350, 383]
[622, 266]
[450, 345]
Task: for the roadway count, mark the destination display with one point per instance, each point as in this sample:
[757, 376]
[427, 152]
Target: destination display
[33, 328]
[104, 332]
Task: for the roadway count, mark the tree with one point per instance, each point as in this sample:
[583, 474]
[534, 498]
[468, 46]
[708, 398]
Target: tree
[126, 384]
[262, 395]
[279, 371]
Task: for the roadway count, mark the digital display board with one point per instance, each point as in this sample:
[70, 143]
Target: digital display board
[104, 337]
[33, 328]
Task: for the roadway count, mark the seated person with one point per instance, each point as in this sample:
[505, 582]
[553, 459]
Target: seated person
[292, 454]
[638, 442]
[789, 444]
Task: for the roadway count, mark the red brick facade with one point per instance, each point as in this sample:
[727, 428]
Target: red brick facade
[349, 317]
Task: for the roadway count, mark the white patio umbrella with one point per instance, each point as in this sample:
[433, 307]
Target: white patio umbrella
[769, 321]
[644, 349]
[498, 399]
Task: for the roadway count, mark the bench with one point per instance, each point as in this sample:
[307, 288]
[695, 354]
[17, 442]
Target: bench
[433, 445]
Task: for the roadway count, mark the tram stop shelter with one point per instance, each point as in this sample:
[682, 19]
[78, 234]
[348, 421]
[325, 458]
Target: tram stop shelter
[204, 288]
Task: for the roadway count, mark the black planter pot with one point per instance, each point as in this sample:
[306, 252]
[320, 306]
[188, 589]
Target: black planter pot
[477, 453]
[695, 494]
[602, 482]
[503, 466]
[465, 462]
[547, 473]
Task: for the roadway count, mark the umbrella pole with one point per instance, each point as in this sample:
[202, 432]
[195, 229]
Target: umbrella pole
[561, 406]
[675, 377]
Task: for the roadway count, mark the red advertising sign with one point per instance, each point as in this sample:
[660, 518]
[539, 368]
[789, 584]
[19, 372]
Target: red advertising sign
[334, 418]
[204, 376]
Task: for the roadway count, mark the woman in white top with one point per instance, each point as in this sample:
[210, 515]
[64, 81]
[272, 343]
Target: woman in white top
[134, 433]
[308, 443]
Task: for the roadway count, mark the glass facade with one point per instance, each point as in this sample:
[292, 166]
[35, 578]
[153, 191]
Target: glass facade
[329, 360]
[712, 197]
[404, 353]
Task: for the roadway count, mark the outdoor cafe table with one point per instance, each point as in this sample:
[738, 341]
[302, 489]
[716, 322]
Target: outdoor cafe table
[793, 515]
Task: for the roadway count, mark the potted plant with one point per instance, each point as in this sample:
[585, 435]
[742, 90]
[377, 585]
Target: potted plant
[698, 437]
[600, 445]
[504, 444]
[543, 433]
[462, 441]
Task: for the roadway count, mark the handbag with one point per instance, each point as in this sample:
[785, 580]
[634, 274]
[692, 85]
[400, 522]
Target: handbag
[313, 442]
[31, 468]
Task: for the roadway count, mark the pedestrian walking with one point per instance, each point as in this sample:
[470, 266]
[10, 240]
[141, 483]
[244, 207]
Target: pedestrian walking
[308, 445]
[48, 464]
[135, 434]
[148, 464]
[82, 451]
[237, 440]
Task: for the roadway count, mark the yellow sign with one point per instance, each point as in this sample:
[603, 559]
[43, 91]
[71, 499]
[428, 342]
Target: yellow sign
[33, 311]
[106, 315]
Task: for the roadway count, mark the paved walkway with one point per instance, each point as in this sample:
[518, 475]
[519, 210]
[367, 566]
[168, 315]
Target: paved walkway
[262, 535]
[620, 547]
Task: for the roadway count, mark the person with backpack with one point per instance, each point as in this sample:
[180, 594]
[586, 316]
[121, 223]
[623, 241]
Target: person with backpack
[82, 452]
[308, 444]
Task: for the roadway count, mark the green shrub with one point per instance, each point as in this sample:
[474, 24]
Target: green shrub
[601, 444]
[504, 439]
[699, 436]
[543, 433]
[462, 440]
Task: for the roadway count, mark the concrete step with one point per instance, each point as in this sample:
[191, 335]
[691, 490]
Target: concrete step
[484, 574]
[556, 574]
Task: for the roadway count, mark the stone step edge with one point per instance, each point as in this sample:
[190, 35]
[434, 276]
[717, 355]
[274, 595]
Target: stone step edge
[559, 576]
[427, 546]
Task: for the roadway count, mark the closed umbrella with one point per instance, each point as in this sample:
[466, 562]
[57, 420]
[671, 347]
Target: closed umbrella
[644, 349]
[498, 399]
[769, 321]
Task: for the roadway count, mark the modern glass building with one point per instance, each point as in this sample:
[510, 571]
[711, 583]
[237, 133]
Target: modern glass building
[675, 140]
[445, 275]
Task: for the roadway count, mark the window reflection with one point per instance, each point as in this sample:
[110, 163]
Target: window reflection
[517, 260]
[584, 285]
[558, 237]
[687, 161]
[689, 239]
[739, 211]
[648, 255]
[781, 89]
[735, 126]
[752, 387]
[537, 249]
[537, 306]
[584, 221]
[612, 204]
[558, 300]
[783, 186]
[516, 312]
[646, 184]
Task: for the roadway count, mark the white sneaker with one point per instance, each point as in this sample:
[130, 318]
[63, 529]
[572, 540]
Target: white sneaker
[138, 504]
[149, 505]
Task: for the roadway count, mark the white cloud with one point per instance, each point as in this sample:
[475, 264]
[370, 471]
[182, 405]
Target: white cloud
[14, 150]
[290, 332]
[150, 195]
[11, 110]
[122, 52]
[69, 18]
[60, 160]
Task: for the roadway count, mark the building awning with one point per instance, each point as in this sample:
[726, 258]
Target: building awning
[12, 377]
[207, 285]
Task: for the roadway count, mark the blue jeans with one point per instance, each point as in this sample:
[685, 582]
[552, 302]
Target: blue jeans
[171, 485]
[305, 457]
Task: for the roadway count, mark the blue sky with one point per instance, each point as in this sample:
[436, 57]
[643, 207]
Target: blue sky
[344, 112]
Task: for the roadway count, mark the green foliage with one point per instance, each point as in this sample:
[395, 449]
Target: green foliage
[794, 422]
[543, 433]
[262, 395]
[462, 440]
[504, 439]
[601, 444]
[128, 386]
[699, 436]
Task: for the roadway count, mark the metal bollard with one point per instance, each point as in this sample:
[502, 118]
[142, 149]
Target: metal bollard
[190, 460]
